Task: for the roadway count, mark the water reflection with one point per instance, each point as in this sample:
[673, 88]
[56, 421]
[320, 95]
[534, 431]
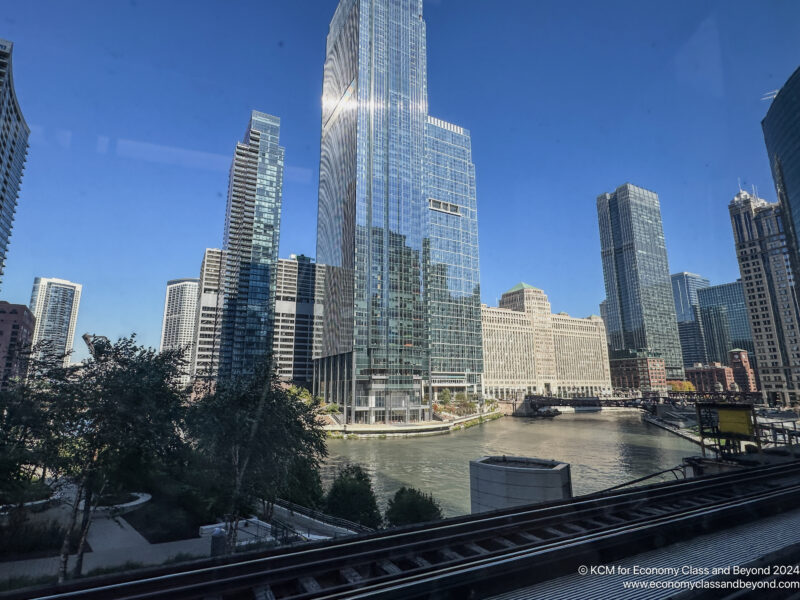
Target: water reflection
[604, 449]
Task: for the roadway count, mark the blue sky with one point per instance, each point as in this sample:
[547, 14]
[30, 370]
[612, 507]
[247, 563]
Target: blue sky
[135, 108]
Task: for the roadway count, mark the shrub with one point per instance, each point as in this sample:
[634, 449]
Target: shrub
[351, 497]
[411, 506]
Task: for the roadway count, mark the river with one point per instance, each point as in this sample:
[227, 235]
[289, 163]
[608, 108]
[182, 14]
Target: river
[603, 448]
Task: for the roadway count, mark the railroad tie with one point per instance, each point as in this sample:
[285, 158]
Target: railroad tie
[449, 554]
[310, 584]
[391, 568]
[530, 537]
[351, 575]
[419, 561]
[476, 548]
[263, 592]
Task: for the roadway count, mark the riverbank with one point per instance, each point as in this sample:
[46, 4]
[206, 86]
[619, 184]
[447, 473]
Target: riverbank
[381, 430]
[684, 433]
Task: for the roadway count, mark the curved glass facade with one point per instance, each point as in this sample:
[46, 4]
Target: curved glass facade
[375, 224]
[781, 127]
[14, 134]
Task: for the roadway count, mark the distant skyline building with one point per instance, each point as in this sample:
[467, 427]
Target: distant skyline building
[177, 325]
[723, 312]
[690, 329]
[14, 134]
[639, 305]
[764, 264]
[396, 224]
[252, 238]
[529, 350]
[300, 286]
[781, 127]
[208, 322]
[17, 324]
[54, 304]
[743, 373]
[638, 370]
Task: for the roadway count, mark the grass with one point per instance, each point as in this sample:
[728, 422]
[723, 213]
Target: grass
[33, 540]
[24, 581]
[128, 566]
[27, 492]
[163, 521]
[115, 499]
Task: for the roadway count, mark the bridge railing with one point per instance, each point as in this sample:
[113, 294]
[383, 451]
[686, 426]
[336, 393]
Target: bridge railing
[322, 517]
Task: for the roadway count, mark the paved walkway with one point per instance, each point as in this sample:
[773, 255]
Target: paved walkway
[113, 544]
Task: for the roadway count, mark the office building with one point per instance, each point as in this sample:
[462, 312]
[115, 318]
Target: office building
[16, 334]
[177, 325]
[690, 330]
[252, 237]
[14, 134]
[761, 248]
[529, 350]
[781, 127]
[743, 373]
[723, 313]
[640, 309]
[54, 304]
[299, 293]
[451, 261]
[396, 225]
[208, 322]
[713, 377]
[638, 371]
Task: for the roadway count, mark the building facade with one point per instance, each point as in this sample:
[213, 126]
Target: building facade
[54, 304]
[638, 371]
[781, 127]
[529, 350]
[640, 309]
[723, 314]
[17, 325]
[769, 291]
[300, 286]
[690, 329]
[713, 377]
[743, 374]
[396, 224]
[14, 134]
[208, 321]
[252, 237]
[178, 321]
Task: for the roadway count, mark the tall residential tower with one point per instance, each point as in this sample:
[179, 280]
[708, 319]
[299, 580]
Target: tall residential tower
[252, 236]
[178, 323]
[13, 149]
[54, 304]
[640, 309]
[208, 324]
[396, 225]
[690, 329]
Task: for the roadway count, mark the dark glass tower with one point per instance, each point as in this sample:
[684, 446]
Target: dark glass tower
[381, 230]
[690, 329]
[781, 127]
[640, 309]
[252, 232]
[724, 316]
[13, 149]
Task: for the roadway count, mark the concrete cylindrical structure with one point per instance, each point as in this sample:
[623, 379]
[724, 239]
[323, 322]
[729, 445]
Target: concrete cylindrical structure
[498, 482]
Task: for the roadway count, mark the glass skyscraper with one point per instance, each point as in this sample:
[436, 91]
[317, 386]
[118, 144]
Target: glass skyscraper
[639, 309]
[396, 220]
[723, 311]
[690, 329]
[781, 127]
[252, 236]
[13, 149]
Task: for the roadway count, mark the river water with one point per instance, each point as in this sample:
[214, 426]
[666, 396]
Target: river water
[603, 448]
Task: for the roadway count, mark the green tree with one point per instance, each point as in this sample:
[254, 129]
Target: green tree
[257, 441]
[445, 397]
[351, 497]
[411, 506]
[111, 418]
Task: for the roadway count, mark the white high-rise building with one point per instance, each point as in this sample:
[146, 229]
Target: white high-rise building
[208, 323]
[529, 350]
[180, 312]
[54, 303]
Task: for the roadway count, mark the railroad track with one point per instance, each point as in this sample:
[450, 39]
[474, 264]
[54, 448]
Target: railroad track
[474, 555]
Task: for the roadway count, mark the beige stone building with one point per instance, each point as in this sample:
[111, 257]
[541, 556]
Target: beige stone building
[529, 350]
